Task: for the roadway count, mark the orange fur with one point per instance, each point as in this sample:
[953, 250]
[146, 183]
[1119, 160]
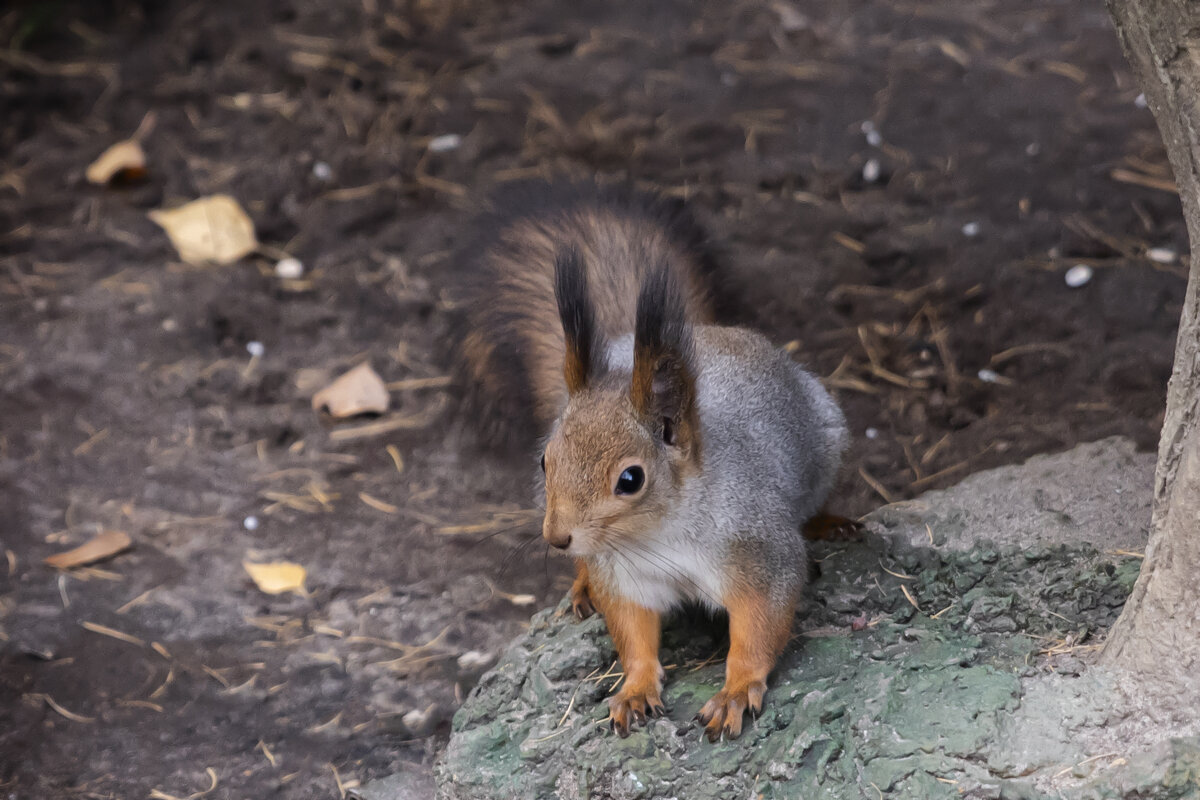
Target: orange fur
[635, 633]
[758, 631]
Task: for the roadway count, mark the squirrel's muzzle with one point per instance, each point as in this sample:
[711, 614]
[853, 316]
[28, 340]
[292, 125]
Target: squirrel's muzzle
[554, 532]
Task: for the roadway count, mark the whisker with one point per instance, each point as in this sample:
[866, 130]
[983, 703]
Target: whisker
[664, 564]
[513, 554]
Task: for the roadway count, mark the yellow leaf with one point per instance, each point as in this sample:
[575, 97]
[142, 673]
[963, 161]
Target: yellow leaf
[359, 391]
[277, 577]
[211, 229]
[125, 160]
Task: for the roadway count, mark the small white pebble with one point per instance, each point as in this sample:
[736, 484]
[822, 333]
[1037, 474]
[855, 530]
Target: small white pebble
[1140, 101]
[871, 433]
[415, 720]
[874, 138]
[289, 269]
[169, 325]
[250, 523]
[1078, 275]
[971, 229]
[989, 376]
[255, 349]
[1032, 149]
[871, 170]
[322, 171]
[473, 660]
[445, 143]
[1161, 255]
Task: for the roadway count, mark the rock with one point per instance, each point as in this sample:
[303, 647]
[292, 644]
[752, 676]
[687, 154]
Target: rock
[907, 706]
[1099, 494]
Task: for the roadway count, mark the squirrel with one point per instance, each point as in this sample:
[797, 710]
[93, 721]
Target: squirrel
[680, 459]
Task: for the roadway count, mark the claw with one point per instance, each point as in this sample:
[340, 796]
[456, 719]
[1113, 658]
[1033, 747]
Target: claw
[633, 705]
[722, 715]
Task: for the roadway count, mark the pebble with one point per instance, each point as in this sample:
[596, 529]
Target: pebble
[255, 349]
[473, 660]
[445, 143]
[1161, 255]
[1140, 101]
[1032, 149]
[971, 229]
[871, 170]
[989, 376]
[322, 171]
[874, 137]
[871, 433]
[250, 523]
[289, 269]
[1078, 275]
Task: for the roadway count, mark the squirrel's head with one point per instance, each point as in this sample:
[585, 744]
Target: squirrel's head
[622, 448]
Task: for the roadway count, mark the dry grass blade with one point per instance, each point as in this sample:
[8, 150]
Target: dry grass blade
[874, 483]
[410, 384]
[377, 504]
[158, 794]
[389, 425]
[113, 633]
[1148, 181]
[899, 575]
[909, 597]
[1085, 761]
[64, 712]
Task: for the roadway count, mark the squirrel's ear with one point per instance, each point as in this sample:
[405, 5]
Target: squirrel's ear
[663, 391]
[578, 319]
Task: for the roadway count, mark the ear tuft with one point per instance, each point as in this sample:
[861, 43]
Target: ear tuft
[578, 319]
[663, 390]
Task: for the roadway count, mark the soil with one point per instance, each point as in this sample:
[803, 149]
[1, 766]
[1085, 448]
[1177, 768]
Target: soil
[916, 262]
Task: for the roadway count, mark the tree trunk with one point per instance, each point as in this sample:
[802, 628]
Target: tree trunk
[1158, 634]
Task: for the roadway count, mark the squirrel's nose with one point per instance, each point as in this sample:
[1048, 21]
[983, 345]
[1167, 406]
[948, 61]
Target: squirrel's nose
[559, 540]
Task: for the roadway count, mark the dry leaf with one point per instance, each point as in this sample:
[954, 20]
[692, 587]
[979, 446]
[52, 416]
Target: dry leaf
[359, 391]
[101, 546]
[277, 577]
[211, 229]
[124, 160]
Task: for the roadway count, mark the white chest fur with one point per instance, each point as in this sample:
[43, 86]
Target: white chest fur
[662, 573]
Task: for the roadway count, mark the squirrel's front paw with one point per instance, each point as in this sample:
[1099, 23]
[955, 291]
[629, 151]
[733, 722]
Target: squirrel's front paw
[581, 603]
[723, 714]
[633, 704]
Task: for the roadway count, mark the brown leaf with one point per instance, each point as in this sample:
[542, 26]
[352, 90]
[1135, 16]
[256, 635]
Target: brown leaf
[359, 391]
[212, 229]
[102, 546]
[124, 161]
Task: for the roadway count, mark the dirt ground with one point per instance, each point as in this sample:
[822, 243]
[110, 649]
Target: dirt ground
[901, 187]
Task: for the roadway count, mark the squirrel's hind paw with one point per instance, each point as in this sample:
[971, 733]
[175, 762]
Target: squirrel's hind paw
[723, 713]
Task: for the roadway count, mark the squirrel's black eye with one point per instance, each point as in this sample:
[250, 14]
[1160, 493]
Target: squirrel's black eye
[631, 481]
[543, 462]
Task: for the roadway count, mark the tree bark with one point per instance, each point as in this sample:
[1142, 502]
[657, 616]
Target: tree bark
[1158, 633]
